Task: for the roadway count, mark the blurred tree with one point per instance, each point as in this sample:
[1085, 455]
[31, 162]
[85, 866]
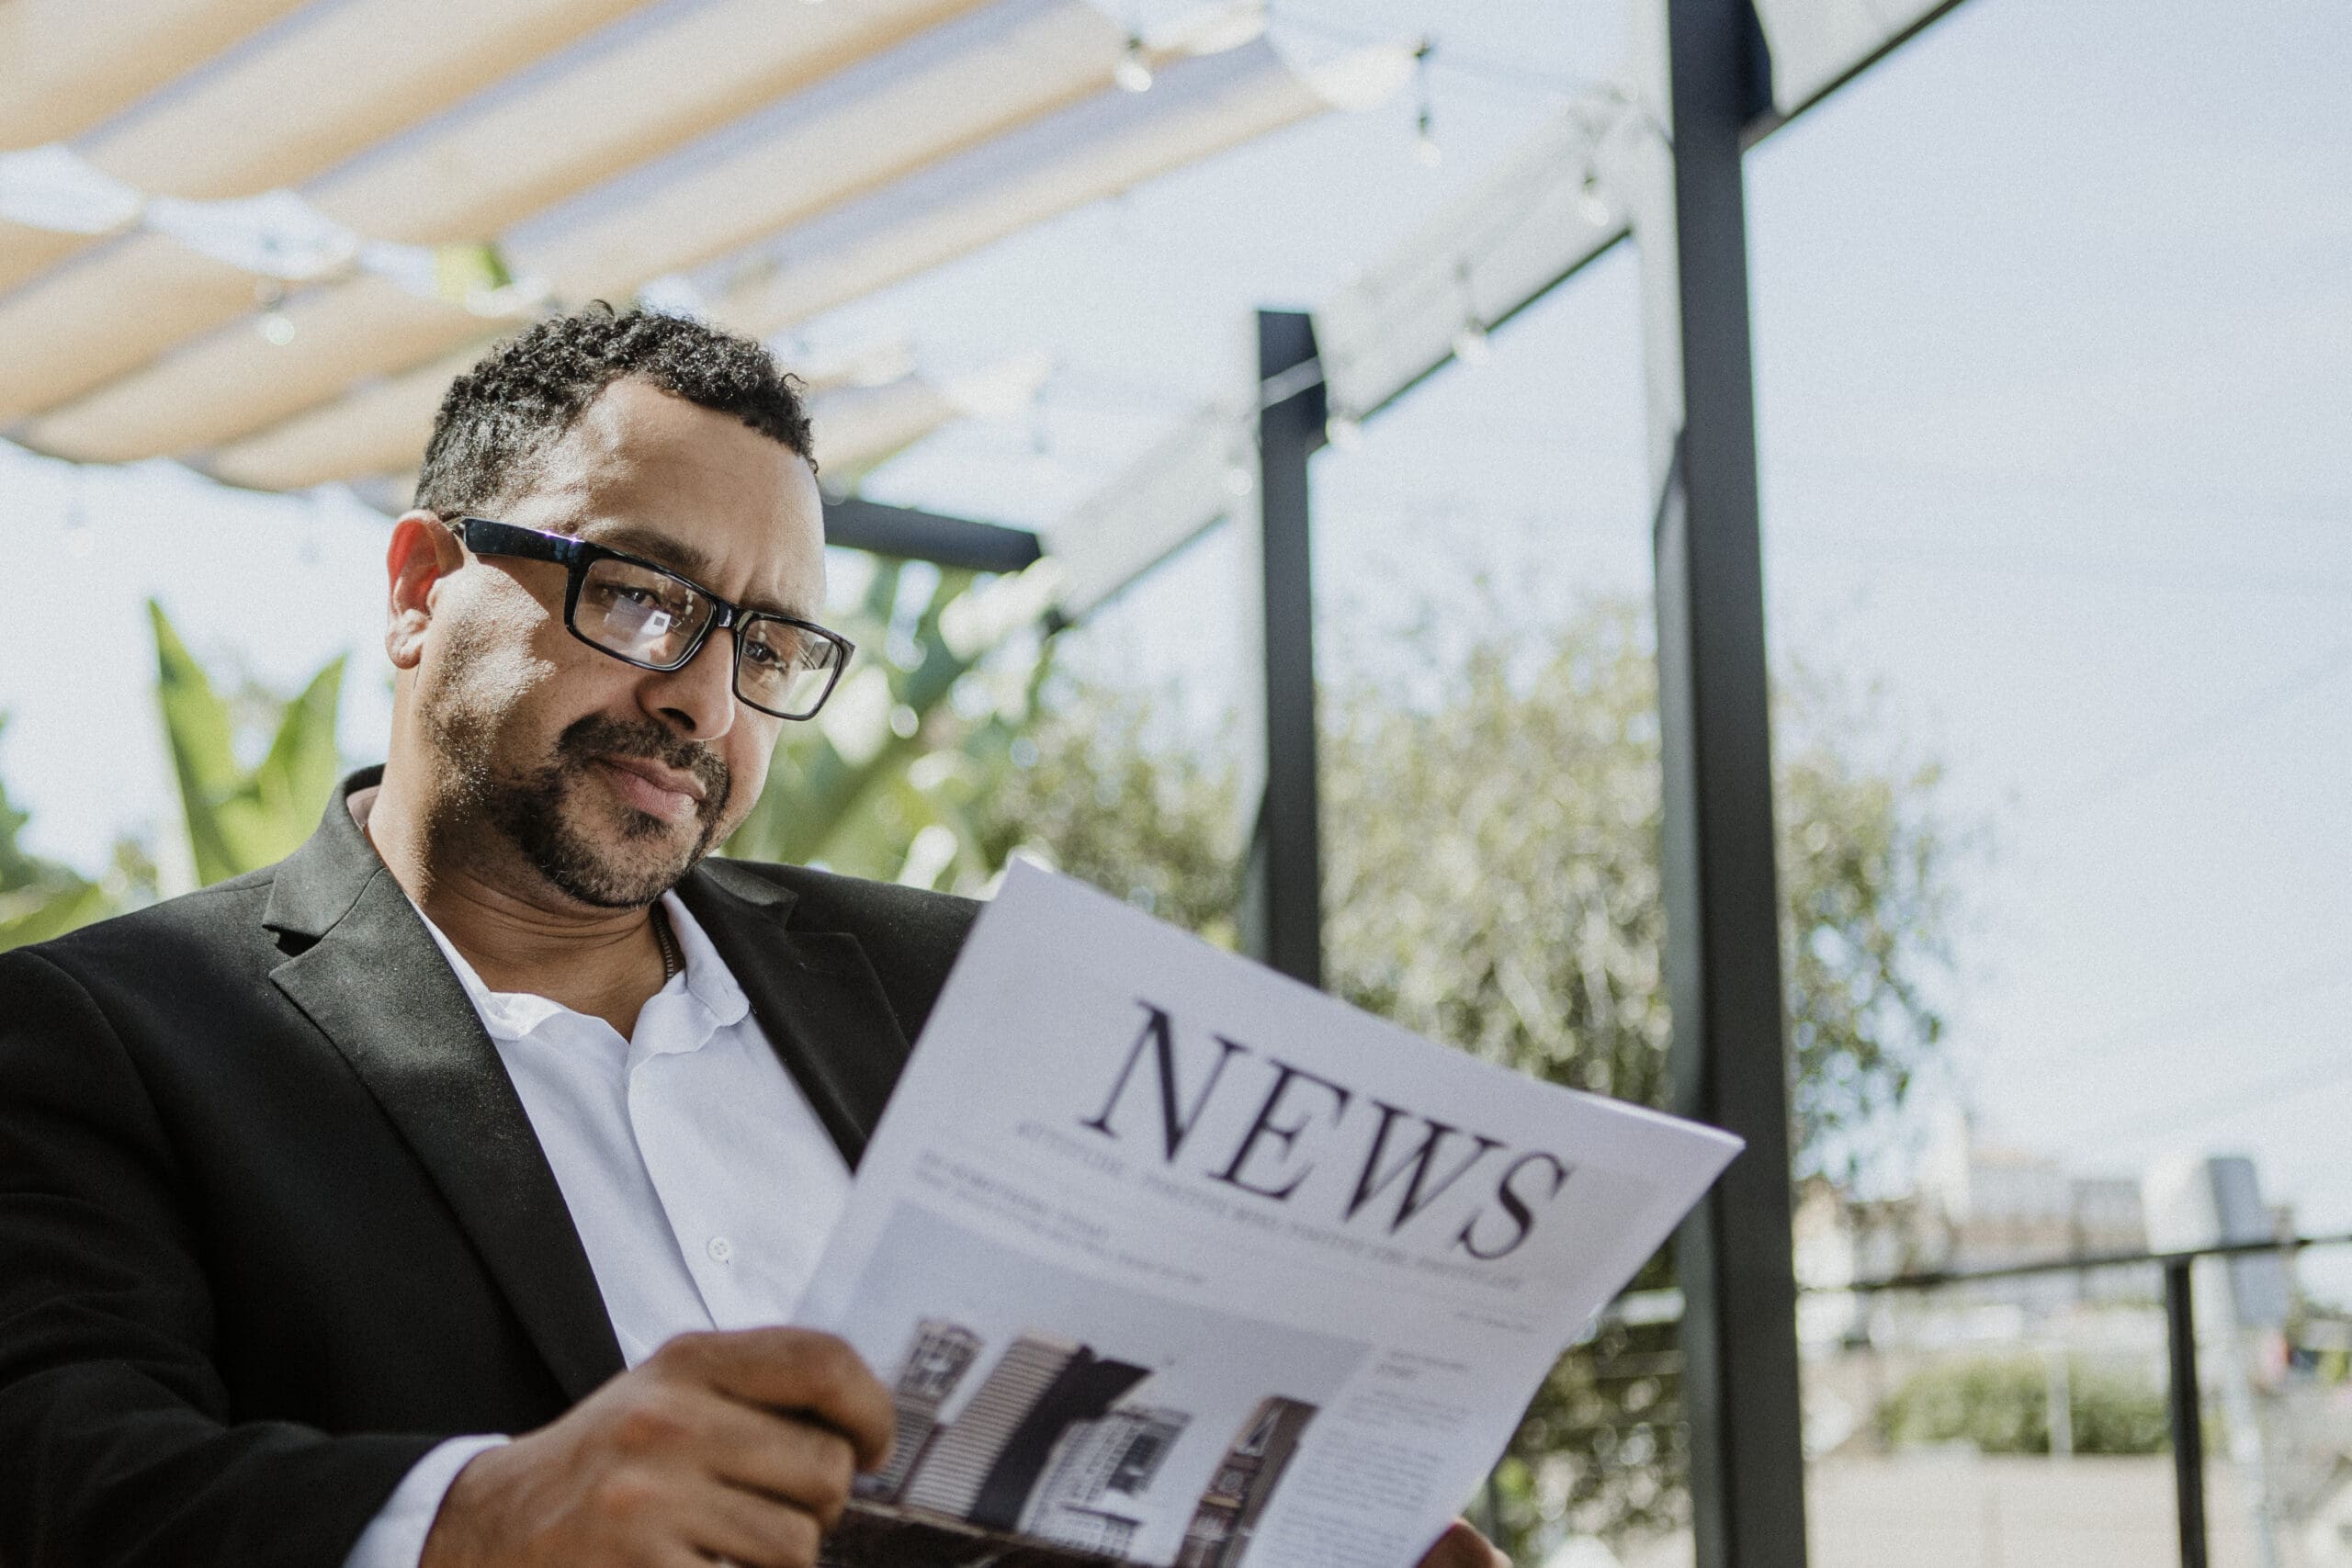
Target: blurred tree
[1092, 788]
[241, 818]
[2001, 1405]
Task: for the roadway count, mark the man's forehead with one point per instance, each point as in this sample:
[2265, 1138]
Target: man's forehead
[691, 489]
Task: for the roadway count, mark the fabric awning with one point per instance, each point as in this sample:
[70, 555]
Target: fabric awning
[269, 262]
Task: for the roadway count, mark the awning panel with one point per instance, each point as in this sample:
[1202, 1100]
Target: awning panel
[290, 106]
[66, 65]
[1104, 145]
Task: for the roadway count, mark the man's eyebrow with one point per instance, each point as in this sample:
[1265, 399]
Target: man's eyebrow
[663, 549]
[679, 555]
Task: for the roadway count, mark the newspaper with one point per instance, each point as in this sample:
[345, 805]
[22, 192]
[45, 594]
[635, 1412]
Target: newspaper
[1170, 1259]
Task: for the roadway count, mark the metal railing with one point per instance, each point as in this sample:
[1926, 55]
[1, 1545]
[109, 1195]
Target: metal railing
[2187, 1415]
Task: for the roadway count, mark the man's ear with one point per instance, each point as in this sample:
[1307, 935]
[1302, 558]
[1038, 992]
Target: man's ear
[422, 552]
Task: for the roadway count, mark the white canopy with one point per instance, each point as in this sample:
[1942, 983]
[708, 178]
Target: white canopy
[262, 237]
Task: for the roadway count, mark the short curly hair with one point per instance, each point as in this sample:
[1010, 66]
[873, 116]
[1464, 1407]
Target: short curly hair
[499, 417]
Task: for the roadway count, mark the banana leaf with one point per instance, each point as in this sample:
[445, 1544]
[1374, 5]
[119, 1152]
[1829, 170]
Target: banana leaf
[241, 819]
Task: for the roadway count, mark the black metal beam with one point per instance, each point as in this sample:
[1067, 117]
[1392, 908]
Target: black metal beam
[2188, 1416]
[1723, 959]
[1938, 1278]
[1282, 916]
[861, 525]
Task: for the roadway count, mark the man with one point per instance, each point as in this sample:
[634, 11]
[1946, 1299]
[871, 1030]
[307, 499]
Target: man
[433, 1197]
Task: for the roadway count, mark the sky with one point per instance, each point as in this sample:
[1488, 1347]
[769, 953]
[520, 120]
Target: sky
[2053, 318]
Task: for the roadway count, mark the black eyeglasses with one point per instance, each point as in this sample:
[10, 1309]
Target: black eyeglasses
[649, 616]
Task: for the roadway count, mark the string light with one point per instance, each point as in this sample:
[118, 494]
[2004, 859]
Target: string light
[81, 539]
[1133, 74]
[1425, 147]
[276, 326]
[1592, 201]
[1470, 344]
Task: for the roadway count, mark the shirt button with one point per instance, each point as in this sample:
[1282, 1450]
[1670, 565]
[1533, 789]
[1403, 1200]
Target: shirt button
[721, 1249]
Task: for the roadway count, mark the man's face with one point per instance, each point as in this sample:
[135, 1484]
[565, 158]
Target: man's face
[593, 777]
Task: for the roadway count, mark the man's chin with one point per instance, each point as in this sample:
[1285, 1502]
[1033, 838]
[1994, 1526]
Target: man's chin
[611, 855]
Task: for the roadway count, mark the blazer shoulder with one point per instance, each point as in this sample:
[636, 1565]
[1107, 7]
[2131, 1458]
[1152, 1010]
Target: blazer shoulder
[209, 923]
[825, 900]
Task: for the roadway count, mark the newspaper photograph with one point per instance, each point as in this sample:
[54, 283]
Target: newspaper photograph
[1170, 1259]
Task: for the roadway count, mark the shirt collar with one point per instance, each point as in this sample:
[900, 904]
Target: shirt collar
[707, 975]
[511, 1015]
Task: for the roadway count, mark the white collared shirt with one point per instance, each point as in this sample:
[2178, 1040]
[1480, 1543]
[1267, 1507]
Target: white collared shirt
[698, 1175]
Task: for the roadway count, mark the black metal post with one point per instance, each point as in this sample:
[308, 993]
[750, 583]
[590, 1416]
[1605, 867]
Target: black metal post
[1282, 918]
[1723, 954]
[2187, 1418]
[862, 524]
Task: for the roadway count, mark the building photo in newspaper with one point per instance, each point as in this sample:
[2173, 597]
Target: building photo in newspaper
[1036, 1400]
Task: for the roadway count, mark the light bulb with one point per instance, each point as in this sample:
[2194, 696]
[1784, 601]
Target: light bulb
[1471, 345]
[276, 328]
[1425, 147]
[1592, 202]
[1344, 432]
[1132, 74]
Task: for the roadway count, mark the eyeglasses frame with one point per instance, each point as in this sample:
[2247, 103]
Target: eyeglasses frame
[488, 537]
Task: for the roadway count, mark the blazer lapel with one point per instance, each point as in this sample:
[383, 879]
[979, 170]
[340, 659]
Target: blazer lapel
[378, 987]
[815, 993]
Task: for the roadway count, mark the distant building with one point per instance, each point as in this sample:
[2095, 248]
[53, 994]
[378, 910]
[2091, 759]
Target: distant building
[960, 1456]
[1243, 1483]
[1098, 1465]
[936, 1359]
[1979, 1205]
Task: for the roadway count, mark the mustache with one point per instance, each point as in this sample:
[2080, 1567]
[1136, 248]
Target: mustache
[599, 736]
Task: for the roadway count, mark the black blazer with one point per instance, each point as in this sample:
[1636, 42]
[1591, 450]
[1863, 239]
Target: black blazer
[273, 1221]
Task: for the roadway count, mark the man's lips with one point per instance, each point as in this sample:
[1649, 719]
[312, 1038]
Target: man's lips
[654, 789]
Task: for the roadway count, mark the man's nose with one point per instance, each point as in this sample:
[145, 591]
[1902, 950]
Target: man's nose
[698, 699]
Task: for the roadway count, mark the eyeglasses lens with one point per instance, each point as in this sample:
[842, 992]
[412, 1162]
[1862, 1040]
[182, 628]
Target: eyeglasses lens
[786, 669]
[638, 613]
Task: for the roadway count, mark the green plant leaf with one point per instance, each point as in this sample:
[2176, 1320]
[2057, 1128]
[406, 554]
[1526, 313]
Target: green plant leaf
[239, 819]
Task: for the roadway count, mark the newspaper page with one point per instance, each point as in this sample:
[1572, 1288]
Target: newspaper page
[1170, 1259]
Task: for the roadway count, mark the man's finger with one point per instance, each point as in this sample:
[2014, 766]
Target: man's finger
[791, 1370]
[737, 1527]
[780, 1457]
[1463, 1547]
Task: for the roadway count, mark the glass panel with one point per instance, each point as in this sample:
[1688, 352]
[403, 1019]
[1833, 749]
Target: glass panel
[785, 669]
[2027, 1420]
[639, 613]
[2006, 1421]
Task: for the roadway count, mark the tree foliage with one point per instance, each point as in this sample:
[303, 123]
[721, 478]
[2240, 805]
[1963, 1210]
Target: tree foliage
[2002, 1405]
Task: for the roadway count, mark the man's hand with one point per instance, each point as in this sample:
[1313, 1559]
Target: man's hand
[1463, 1547]
[738, 1446]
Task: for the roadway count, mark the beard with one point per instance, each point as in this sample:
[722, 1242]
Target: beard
[538, 812]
